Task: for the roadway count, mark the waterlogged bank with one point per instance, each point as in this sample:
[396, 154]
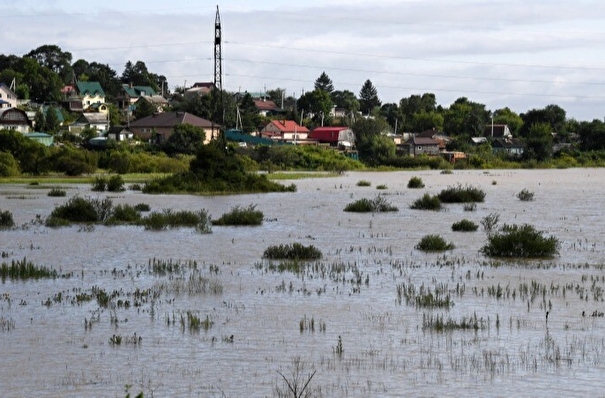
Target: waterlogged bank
[211, 317]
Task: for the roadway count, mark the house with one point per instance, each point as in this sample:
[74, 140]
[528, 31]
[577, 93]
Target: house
[97, 121]
[497, 131]
[415, 146]
[509, 146]
[8, 99]
[160, 126]
[131, 94]
[266, 107]
[90, 93]
[157, 101]
[119, 133]
[71, 100]
[335, 136]
[440, 137]
[199, 89]
[14, 119]
[284, 130]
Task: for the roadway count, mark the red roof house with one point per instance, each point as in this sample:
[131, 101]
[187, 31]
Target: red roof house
[284, 130]
[333, 135]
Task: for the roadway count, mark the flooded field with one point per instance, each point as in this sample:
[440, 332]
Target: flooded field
[179, 313]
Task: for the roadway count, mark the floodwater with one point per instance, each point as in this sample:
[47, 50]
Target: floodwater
[256, 321]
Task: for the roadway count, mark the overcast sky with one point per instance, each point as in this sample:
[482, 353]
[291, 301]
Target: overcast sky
[521, 54]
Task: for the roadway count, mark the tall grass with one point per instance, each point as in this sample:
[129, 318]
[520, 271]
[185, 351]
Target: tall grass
[461, 194]
[427, 202]
[377, 205]
[168, 218]
[241, 216]
[6, 219]
[57, 192]
[294, 251]
[23, 269]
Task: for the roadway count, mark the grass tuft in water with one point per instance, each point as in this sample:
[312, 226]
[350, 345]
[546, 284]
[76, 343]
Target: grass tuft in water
[23, 270]
[294, 251]
[461, 194]
[427, 202]
[377, 205]
[241, 216]
[6, 219]
[433, 243]
[464, 225]
[57, 192]
[415, 183]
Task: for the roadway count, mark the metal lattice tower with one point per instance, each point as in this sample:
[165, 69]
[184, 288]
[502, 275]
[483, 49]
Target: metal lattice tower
[218, 59]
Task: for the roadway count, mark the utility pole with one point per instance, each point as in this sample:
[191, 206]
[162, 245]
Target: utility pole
[219, 107]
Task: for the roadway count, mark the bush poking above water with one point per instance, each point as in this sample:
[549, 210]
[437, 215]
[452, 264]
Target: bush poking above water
[525, 195]
[522, 241]
[6, 219]
[241, 216]
[294, 251]
[427, 202]
[415, 183]
[377, 205]
[433, 243]
[57, 192]
[464, 226]
[363, 183]
[80, 210]
[461, 194]
[173, 219]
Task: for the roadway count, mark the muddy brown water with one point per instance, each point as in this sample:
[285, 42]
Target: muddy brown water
[52, 346]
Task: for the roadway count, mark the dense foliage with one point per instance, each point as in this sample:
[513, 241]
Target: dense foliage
[377, 205]
[461, 194]
[522, 241]
[434, 243]
[241, 216]
[427, 202]
[294, 251]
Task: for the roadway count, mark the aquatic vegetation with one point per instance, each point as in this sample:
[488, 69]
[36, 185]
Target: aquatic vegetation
[521, 241]
[490, 222]
[115, 183]
[135, 187]
[377, 205]
[6, 219]
[525, 195]
[381, 186]
[123, 214]
[424, 297]
[80, 210]
[142, 207]
[464, 225]
[427, 202]
[23, 269]
[470, 206]
[57, 192]
[433, 243]
[436, 323]
[294, 251]
[461, 194]
[298, 381]
[241, 216]
[6, 324]
[363, 183]
[168, 218]
[415, 183]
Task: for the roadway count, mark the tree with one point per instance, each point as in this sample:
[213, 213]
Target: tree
[592, 135]
[465, 117]
[368, 97]
[346, 100]
[318, 103]
[422, 121]
[40, 120]
[392, 115]
[143, 108]
[369, 139]
[56, 60]
[539, 142]
[51, 122]
[554, 115]
[415, 104]
[139, 75]
[250, 118]
[185, 139]
[324, 83]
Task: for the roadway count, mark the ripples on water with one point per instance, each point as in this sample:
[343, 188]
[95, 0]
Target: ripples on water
[52, 345]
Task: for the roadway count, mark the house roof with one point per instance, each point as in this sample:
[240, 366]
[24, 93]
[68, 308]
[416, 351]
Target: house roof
[90, 88]
[507, 143]
[203, 84]
[289, 126]
[428, 133]
[154, 99]
[415, 140]
[500, 130]
[137, 91]
[265, 105]
[171, 119]
[7, 89]
[93, 117]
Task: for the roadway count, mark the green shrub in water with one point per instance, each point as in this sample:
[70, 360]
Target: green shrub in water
[294, 251]
[427, 202]
[522, 241]
[57, 192]
[433, 243]
[241, 216]
[461, 194]
[464, 226]
[377, 205]
[6, 219]
[363, 183]
[415, 183]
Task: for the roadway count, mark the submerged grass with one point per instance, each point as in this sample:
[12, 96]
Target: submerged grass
[461, 194]
[294, 251]
[23, 270]
[241, 216]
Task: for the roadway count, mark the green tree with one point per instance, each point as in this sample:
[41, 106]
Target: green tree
[368, 98]
[346, 100]
[185, 139]
[414, 104]
[318, 103]
[8, 165]
[538, 142]
[40, 120]
[51, 121]
[139, 75]
[554, 115]
[423, 120]
[592, 135]
[392, 115]
[465, 117]
[52, 57]
[250, 118]
[143, 108]
[369, 134]
[324, 83]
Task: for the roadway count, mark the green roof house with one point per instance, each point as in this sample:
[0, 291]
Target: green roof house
[42, 138]
[91, 93]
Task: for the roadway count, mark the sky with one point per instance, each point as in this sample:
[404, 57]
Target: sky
[518, 54]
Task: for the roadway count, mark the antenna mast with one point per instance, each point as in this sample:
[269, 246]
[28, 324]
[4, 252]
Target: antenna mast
[218, 68]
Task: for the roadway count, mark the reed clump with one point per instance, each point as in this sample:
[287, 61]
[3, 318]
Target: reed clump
[241, 216]
[23, 270]
[294, 251]
[363, 183]
[80, 210]
[525, 195]
[415, 183]
[461, 194]
[6, 219]
[57, 192]
[168, 218]
[377, 205]
[434, 243]
[427, 202]
[520, 241]
[464, 225]
[437, 323]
